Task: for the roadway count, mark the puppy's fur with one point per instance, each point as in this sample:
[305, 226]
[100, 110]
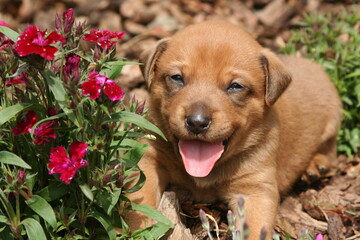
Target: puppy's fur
[278, 118]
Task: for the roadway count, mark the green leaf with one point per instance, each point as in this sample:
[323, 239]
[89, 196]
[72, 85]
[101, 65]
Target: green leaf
[9, 33]
[60, 94]
[356, 73]
[5, 232]
[12, 159]
[7, 113]
[87, 191]
[107, 200]
[155, 231]
[114, 69]
[7, 207]
[43, 209]
[159, 229]
[105, 222]
[3, 219]
[53, 191]
[137, 151]
[152, 213]
[136, 119]
[33, 229]
[114, 199]
[140, 183]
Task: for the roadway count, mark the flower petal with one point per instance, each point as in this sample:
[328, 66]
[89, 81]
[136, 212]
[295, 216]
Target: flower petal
[43, 133]
[93, 88]
[78, 150]
[59, 160]
[68, 175]
[112, 90]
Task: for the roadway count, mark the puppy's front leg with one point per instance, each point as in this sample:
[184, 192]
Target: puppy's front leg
[260, 210]
[150, 194]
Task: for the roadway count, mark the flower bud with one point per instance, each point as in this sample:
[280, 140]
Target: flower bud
[57, 22]
[263, 233]
[140, 108]
[231, 218]
[204, 220]
[106, 179]
[97, 55]
[21, 176]
[68, 20]
[119, 180]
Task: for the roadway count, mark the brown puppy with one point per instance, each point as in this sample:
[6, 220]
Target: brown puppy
[239, 121]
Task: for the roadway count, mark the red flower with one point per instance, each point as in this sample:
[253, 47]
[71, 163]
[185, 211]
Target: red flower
[17, 80]
[25, 125]
[4, 41]
[44, 132]
[68, 166]
[103, 38]
[32, 40]
[97, 82]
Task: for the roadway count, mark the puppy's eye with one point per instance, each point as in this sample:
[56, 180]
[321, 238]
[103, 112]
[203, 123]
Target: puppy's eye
[235, 87]
[178, 79]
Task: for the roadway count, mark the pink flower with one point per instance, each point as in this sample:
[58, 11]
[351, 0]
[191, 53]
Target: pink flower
[68, 166]
[96, 83]
[32, 40]
[2, 23]
[319, 237]
[103, 38]
[43, 133]
[25, 125]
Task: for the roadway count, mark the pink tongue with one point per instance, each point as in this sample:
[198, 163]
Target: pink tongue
[200, 157]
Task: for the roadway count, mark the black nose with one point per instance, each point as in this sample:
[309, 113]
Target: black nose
[197, 123]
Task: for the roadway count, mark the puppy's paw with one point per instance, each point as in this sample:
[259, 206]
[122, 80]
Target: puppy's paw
[318, 167]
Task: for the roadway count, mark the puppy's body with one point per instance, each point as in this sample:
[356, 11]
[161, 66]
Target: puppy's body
[231, 92]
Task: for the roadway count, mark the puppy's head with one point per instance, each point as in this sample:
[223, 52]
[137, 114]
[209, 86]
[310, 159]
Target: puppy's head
[211, 86]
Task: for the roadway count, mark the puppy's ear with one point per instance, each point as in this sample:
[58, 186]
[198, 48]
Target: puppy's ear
[149, 58]
[277, 78]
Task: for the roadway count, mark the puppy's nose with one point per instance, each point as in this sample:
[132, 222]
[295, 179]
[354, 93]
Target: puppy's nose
[197, 123]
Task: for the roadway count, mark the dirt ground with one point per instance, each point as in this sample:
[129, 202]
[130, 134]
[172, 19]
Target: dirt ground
[332, 204]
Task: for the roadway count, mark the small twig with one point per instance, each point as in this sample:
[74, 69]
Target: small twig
[353, 237]
[216, 225]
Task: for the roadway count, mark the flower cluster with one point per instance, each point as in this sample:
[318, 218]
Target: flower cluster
[97, 83]
[65, 150]
[103, 38]
[35, 41]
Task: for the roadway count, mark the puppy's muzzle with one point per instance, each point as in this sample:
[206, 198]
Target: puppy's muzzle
[197, 123]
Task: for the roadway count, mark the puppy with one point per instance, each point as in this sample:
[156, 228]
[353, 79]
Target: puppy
[238, 119]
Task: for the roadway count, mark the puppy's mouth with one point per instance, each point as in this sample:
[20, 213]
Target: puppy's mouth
[200, 157]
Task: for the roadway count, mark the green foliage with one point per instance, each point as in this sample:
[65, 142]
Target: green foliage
[333, 40]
